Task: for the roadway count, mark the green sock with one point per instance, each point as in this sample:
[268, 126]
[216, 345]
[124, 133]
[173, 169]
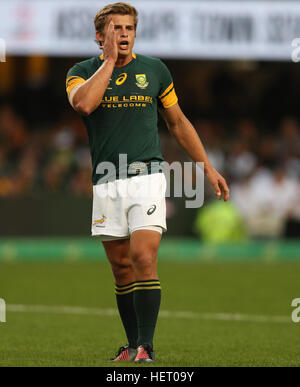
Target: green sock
[147, 298]
[125, 302]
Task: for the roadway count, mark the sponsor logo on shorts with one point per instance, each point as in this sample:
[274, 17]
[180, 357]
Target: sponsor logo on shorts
[99, 221]
[151, 209]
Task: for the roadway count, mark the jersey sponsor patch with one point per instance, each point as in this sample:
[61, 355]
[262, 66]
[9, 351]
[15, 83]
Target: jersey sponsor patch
[141, 81]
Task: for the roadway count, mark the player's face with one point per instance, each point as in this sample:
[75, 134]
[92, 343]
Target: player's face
[124, 25]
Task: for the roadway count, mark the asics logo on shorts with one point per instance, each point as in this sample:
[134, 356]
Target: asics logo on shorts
[151, 209]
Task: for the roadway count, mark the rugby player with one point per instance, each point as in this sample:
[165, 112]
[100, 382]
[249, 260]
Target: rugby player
[118, 95]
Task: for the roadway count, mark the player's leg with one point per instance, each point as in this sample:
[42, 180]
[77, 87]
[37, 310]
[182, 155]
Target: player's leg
[117, 252]
[110, 225]
[144, 246]
[146, 221]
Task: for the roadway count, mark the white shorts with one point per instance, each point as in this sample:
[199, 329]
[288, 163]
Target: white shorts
[123, 206]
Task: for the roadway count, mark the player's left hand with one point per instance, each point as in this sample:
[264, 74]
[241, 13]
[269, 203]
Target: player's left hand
[218, 182]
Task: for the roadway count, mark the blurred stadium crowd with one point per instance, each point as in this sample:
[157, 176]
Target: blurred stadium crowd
[263, 170]
[54, 159]
[50, 155]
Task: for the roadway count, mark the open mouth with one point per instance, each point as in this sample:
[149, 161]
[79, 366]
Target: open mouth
[124, 44]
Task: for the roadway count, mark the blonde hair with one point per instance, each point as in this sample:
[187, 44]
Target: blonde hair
[114, 9]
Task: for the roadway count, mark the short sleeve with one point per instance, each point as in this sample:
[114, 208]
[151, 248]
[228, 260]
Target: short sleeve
[167, 95]
[76, 75]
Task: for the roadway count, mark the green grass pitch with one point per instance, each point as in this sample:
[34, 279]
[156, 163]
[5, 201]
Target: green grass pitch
[213, 314]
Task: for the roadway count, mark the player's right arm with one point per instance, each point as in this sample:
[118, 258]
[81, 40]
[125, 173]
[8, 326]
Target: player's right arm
[87, 96]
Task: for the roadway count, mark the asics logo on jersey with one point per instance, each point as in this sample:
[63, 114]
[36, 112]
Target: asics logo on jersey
[151, 209]
[122, 78]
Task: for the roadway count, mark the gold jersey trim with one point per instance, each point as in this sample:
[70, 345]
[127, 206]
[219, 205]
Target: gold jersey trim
[169, 97]
[169, 88]
[102, 56]
[73, 81]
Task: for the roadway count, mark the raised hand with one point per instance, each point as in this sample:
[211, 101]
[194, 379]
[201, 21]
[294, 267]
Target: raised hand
[110, 47]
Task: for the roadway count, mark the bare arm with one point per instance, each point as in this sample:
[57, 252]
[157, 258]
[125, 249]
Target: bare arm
[85, 98]
[187, 137]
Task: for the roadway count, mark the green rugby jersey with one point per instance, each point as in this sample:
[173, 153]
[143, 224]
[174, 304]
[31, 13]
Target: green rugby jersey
[125, 122]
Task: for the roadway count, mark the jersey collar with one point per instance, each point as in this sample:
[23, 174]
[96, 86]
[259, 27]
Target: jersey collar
[102, 56]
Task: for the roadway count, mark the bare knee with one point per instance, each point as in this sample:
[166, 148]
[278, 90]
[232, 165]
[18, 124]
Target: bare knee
[118, 255]
[144, 262]
[143, 252]
[121, 267]
[122, 270]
